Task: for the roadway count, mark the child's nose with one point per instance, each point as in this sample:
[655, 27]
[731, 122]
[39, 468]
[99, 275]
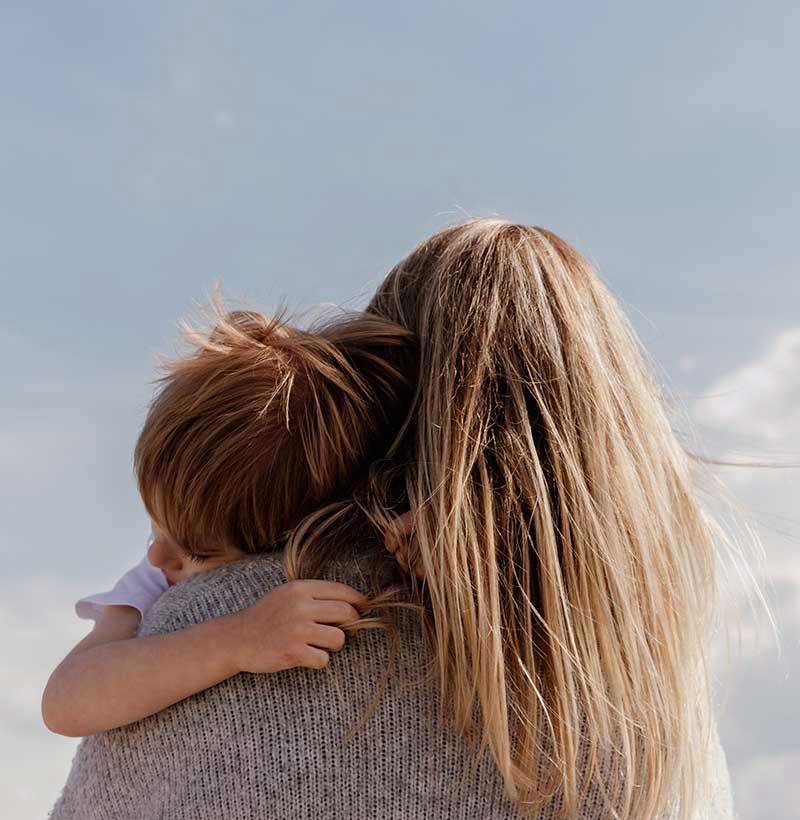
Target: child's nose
[161, 556]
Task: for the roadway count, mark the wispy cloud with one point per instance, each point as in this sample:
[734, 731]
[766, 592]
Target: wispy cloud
[38, 629]
[755, 411]
[761, 399]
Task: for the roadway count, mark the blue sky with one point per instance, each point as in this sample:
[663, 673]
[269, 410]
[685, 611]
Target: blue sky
[295, 152]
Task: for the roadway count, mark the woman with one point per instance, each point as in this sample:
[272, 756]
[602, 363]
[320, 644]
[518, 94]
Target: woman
[569, 567]
[563, 578]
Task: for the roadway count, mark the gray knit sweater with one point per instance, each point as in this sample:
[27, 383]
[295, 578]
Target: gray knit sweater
[270, 746]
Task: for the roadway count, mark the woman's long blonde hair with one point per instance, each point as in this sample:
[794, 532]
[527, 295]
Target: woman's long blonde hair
[570, 569]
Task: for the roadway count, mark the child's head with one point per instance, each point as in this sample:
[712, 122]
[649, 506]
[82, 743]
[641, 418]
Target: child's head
[261, 424]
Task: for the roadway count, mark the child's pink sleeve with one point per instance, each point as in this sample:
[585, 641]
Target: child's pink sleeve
[139, 587]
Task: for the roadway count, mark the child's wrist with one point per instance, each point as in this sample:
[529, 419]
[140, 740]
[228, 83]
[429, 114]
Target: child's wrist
[230, 640]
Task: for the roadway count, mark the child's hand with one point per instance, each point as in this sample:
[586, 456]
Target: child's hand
[291, 625]
[400, 542]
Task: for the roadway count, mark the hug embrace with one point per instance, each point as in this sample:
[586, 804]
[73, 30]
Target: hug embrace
[441, 558]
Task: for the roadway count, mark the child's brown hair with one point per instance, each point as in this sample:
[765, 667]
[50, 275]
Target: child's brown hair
[263, 423]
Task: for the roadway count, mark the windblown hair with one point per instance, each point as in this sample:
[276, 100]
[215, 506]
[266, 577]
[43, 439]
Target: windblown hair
[569, 567]
[262, 423]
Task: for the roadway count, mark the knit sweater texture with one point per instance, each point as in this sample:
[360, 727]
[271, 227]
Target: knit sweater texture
[264, 746]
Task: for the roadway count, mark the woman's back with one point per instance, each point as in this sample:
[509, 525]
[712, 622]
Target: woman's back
[262, 746]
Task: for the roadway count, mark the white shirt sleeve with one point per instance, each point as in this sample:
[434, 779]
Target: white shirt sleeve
[139, 587]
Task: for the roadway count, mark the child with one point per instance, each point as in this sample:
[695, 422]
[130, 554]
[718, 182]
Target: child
[250, 433]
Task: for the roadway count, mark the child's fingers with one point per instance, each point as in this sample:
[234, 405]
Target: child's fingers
[404, 522]
[313, 658]
[419, 572]
[402, 560]
[331, 590]
[400, 557]
[326, 637]
[334, 612]
[398, 531]
[391, 541]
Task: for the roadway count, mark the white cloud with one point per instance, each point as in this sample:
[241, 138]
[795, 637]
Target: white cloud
[768, 787]
[761, 399]
[38, 628]
[755, 411]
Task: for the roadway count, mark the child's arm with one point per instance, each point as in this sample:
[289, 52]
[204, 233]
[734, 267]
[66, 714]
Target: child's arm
[112, 678]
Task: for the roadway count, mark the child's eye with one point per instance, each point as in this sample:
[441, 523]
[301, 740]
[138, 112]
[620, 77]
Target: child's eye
[199, 558]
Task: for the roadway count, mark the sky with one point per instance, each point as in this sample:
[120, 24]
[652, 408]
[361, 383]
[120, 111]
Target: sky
[295, 152]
